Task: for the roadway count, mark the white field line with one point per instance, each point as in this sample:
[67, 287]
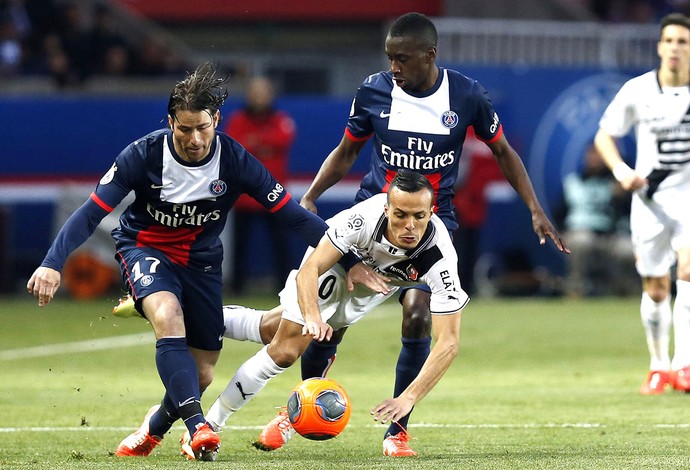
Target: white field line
[420, 425]
[256, 428]
[78, 346]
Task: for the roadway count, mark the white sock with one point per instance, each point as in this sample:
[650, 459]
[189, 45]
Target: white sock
[242, 323]
[249, 380]
[681, 326]
[656, 319]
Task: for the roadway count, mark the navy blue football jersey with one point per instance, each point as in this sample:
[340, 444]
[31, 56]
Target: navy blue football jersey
[180, 208]
[420, 131]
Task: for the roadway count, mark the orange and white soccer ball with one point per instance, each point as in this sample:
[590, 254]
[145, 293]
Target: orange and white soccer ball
[319, 408]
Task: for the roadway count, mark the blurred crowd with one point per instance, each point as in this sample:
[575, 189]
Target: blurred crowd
[636, 11]
[73, 41]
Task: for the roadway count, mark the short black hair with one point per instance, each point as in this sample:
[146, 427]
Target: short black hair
[411, 182]
[415, 25]
[201, 90]
[677, 19]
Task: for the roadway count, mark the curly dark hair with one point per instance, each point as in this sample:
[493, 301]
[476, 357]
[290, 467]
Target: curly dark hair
[201, 90]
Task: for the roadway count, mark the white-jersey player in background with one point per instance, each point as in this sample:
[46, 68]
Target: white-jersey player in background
[657, 104]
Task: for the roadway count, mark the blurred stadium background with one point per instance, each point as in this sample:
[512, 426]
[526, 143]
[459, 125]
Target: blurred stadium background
[79, 80]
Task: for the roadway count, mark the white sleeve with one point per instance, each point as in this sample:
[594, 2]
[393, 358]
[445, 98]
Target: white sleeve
[345, 231]
[446, 294]
[621, 113]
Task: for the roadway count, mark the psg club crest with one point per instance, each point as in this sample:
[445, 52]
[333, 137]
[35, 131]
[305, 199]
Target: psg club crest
[217, 187]
[449, 119]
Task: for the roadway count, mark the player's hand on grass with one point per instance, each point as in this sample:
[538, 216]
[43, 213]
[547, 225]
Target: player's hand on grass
[43, 284]
[392, 409]
[362, 274]
[318, 330]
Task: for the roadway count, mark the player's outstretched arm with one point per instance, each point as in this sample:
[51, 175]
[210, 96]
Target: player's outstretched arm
[324, 256]
[513, 169]
[45, 281]
[333, 169]
[446, 330]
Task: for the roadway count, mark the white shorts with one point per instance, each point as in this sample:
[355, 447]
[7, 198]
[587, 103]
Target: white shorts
[660, 227]
[339, 308]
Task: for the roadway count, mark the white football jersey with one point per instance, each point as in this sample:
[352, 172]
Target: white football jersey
[361, 230]
[661, 119]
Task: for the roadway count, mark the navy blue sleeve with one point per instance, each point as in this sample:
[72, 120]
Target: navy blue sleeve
[306, 224]
[111, 190]
[311, 228]
[487, 125]
[76, 230]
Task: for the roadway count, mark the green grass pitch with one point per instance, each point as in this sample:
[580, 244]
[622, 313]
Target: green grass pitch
[539, 383]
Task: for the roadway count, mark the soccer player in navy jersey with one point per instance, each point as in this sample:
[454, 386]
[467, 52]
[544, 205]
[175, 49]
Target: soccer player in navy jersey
[418, 114]
[186, 178]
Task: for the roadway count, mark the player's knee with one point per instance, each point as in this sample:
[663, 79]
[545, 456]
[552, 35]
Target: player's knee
[284, 357]
[416, 321]
[657, 288]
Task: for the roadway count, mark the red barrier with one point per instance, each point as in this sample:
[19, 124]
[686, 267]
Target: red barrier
[303, 10]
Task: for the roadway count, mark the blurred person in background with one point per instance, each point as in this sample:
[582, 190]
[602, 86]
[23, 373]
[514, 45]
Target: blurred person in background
[601, 249]
[109, 52]
[268, 134]
[186, 178]
[657, 105]
[418, 114]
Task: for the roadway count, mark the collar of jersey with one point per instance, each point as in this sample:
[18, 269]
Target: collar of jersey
[424, 243]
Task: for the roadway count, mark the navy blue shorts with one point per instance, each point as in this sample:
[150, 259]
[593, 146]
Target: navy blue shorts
[146, 271]
[403, 290]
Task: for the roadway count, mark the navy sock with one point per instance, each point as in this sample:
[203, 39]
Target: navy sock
[163, 419]
[413, 354]
[317, 359]
[179, 375]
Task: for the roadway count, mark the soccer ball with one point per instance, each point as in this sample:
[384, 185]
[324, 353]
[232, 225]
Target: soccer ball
[318, 408]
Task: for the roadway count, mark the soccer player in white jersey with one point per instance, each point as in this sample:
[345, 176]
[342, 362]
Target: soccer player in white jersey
[397, 235]
[416, 115]
[657, 105]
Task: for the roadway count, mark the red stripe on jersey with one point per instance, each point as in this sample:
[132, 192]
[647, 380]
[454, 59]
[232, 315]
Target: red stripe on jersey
[176, 243]
[390, 174]
[434, 179]
[129, 277]
[281, 203]
[494, 138]
[100, 203]
[354, 138]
